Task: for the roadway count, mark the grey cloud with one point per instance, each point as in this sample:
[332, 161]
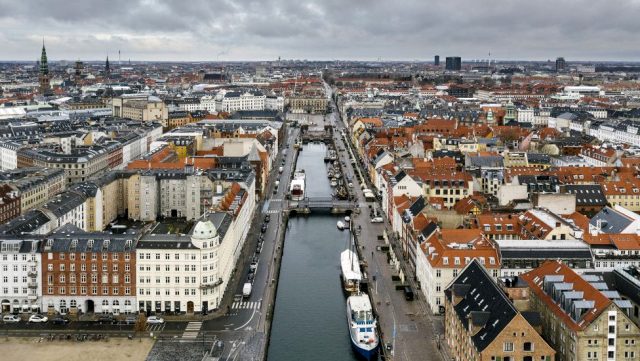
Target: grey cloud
[321, 29]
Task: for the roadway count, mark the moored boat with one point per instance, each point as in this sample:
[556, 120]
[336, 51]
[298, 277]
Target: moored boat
[362, 326]
[341, 226]
[350, 271]
[298, 184]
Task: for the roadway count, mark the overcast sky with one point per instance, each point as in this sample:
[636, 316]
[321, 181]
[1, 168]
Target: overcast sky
[320, 29]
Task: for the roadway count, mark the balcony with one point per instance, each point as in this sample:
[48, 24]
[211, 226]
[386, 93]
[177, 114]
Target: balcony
[32, 297]
[32, 273]
[211, 285]
[32, 285]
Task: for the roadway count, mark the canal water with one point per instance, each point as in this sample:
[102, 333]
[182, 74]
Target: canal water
[309, 320]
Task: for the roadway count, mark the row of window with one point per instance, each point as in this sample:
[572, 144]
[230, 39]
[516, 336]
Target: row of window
[167, 292]
[94, 278]
[192, 256]
[94, 256]
[16, 257]
[94, 267]
[167, 279]
[73, 290]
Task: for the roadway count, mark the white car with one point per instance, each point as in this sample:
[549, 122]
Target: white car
[11, 319]
[38, 319]
[376, 220]
[155, 320]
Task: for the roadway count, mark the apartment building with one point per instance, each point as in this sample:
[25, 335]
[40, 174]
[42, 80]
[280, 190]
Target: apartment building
[441, 257]
[21, 278]
[89, 272]
[482, 324]
[581, 318]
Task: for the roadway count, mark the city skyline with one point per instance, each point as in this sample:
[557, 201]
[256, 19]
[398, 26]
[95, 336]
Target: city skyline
[327, 30]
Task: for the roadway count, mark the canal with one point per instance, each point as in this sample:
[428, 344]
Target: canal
[309, 320]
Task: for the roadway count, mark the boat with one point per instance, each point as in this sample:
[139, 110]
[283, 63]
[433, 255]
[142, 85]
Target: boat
[341, 225]
[350, 271]
[347, 219]
[334, 183]
[298, 184]
[362, 326]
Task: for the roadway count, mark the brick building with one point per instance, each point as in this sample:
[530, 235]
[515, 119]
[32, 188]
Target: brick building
[89, 272]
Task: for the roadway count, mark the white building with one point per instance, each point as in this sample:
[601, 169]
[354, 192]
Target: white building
[274, 102]
[9, 155]
[21, 280]
[235, 101]
[208, 103]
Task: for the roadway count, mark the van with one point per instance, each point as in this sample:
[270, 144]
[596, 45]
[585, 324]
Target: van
[280, 170]
[408, 293]
[246, 290]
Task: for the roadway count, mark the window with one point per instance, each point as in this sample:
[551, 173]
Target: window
[528, 347]
[438, 273]
[508, 347]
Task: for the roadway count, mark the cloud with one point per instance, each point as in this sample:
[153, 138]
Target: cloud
[320, 29]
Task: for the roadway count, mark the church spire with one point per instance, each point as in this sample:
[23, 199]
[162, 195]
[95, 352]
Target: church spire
[44, 67]
[106, 66]
[45, 87]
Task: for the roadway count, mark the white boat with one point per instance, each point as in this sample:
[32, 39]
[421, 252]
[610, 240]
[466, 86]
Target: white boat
[347, 219]
[362, 326]
[341, 226]
[334, 183]
[298, 184]
[350, 268]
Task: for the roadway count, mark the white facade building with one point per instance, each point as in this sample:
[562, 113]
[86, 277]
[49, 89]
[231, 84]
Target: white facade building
[21, 279]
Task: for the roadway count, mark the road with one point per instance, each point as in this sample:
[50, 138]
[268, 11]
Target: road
[415, 328]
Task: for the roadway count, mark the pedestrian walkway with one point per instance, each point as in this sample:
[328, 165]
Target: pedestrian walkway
[192, 330]
[242, 305]
[272, 211]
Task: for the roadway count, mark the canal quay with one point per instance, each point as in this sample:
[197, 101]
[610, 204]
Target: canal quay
[309, 320]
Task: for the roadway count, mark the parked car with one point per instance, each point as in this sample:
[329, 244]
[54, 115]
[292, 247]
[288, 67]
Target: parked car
[60, 320]
[130, 320]
[153, 320]
[263, 228]
[11, 319]
[267, 218]
[251, 277]
[376, 220]
[106, 319]
[38, 319]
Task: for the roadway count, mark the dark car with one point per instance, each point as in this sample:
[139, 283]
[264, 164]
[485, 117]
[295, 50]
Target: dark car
[251, 276]
[408, 293]
[106, 320]
[60, 321]
[267, 218]
[131, 320]
[264, 228]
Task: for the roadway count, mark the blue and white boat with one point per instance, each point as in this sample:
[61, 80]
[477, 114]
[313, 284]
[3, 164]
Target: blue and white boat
[362, 326]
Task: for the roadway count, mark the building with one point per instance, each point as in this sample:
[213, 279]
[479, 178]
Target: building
[561, 65]
[189, 273]
[9, 203]
[453, 63]
[234, 101]
[21, 280]
[89, 272]
[436, 60]
[441, 257]
[44, 77]
[581, 318]
[141, 108]
[35, 186]
[482, 324]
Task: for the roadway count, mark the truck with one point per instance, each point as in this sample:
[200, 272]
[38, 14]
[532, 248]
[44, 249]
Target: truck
[246, 290]
[368, 195]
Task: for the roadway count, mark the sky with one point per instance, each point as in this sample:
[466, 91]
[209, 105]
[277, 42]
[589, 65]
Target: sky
[231, 30]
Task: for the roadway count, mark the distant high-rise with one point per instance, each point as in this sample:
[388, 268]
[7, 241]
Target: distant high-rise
[453, 63]
[45, 87]
[560, 65]
[79, 68]
[436, 60]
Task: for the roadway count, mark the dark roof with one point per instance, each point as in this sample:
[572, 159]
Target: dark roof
[627, 282]
[483, 302]
[532, 317]
[587, 194]
[26, 223]
[610, 220]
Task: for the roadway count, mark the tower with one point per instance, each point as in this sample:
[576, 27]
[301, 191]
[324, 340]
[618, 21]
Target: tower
[436, 60]
[107, 69]
[561, 65]
[45, 87]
